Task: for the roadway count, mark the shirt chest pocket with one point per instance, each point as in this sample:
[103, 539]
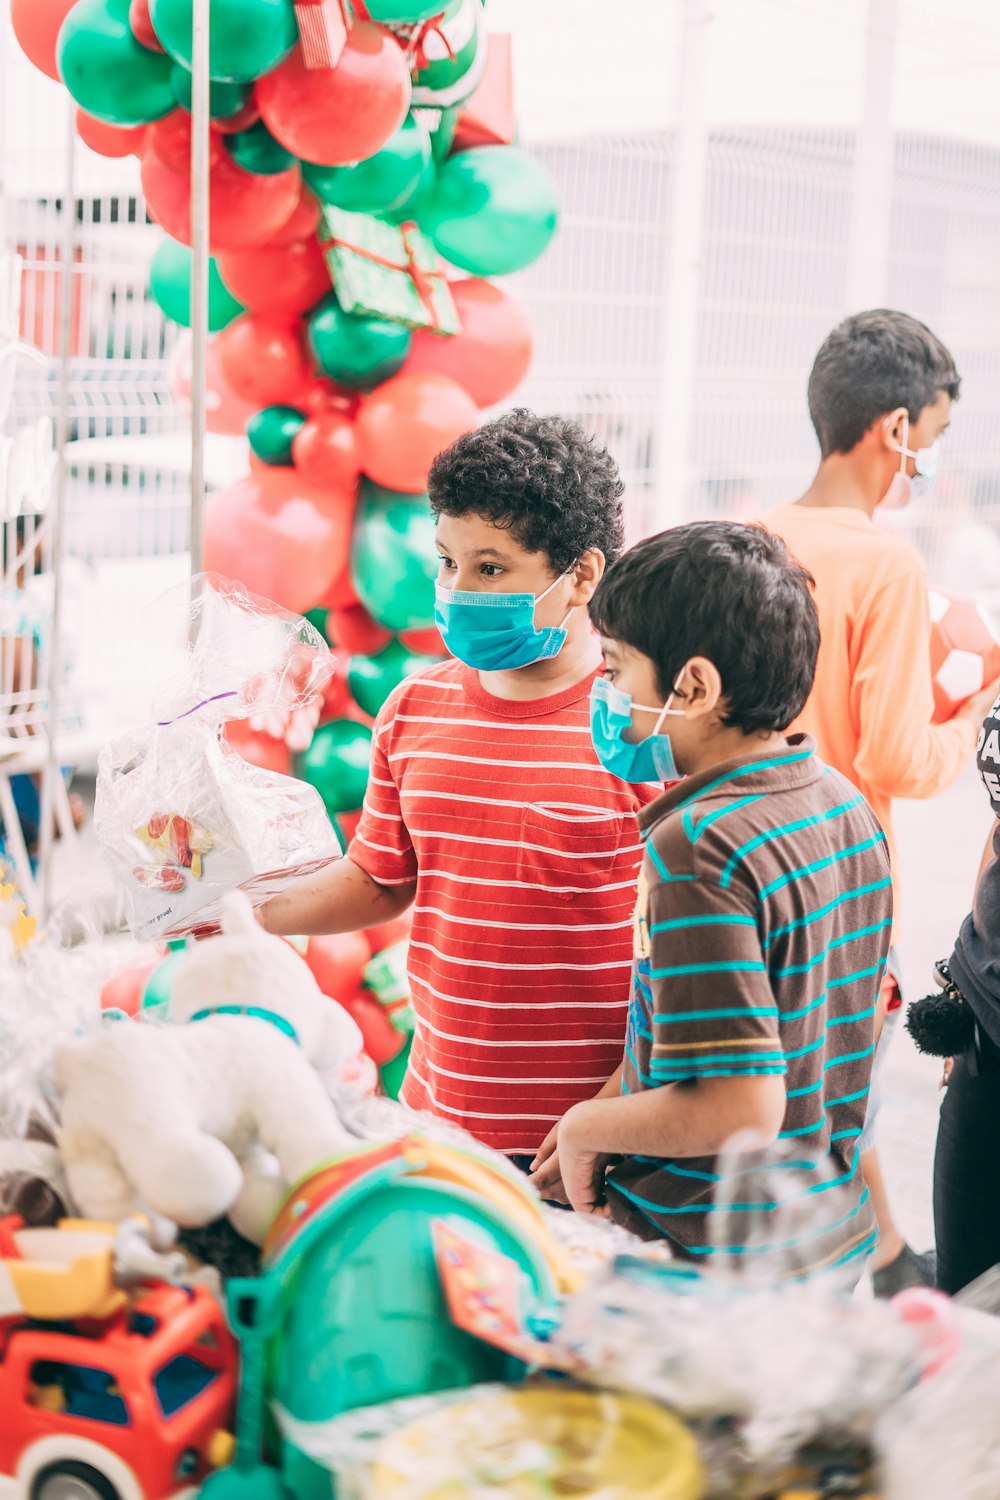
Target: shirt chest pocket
[567, 851]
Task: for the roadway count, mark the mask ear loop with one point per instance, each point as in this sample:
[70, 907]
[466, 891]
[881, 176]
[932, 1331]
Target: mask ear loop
[904, 449]
[666, 710]
[545, 593]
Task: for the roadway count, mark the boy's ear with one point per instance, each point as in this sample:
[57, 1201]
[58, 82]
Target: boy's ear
[587, 575]
[890, 428]
[699, 687]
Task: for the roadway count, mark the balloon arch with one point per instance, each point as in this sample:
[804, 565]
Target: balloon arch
[364, 186]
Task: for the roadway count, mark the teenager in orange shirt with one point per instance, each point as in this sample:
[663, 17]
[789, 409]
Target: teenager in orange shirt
[880, 397]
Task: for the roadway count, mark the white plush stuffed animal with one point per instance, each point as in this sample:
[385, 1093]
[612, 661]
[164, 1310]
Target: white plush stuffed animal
[222, 1110]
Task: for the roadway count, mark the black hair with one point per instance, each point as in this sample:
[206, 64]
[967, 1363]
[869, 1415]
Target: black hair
[728, 592]
[872, 363]
[543, 479]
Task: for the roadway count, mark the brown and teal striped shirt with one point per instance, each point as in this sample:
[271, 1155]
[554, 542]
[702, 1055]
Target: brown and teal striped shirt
[762, 927]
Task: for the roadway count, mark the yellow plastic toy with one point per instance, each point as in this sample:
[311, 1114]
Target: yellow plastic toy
[14, 920]
[535, 1444]
[59, 1274]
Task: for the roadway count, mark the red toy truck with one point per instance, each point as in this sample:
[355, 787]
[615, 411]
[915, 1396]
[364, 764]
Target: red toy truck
[132, 1403]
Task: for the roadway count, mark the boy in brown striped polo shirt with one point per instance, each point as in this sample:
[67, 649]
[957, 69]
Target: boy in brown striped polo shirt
[764, 910]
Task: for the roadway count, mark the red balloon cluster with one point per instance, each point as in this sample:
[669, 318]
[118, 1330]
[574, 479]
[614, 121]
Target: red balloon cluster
[340, 405]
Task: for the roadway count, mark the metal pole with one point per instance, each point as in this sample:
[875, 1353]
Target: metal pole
[199, 270]
[871, 211]
[57, 521]
[672, 437]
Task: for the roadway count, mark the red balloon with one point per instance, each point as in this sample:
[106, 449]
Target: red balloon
[279, 536]
[382, 1041]
[352, 629]
[325, 450]
[109, 140]
[241, 120]
[424, 642]
[244, 208]
[287, 279]
[348, 821]
[338, 962]
[324, 395]
[406, 422]
[169, 140]
[337, 694]
[389, 933]
[263, 359]
[36, 25]
[303, 223]
[141, 26]
[259, 749]
[225, 412]
[344, 116]
[125, 990]
[491, 355]
[342, 595]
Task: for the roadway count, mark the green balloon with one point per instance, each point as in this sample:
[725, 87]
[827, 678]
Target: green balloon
[494, 210]
[320, 620]
[246, 38]
[372, 678]
[393, 559]
[336, 764]
[420, 199]
[224, 99]
[355, 351]
[106, 71]
[256, 150]
[393, 1072]
[272, 432]
[155, 1004]
[170, 286]
[402, 12]
[383, 181]
[444, 134]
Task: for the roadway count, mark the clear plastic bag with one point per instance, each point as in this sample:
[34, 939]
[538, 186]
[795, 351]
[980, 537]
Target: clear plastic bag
[181, 818]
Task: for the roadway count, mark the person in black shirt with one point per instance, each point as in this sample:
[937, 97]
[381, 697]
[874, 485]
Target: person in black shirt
[964, 1022]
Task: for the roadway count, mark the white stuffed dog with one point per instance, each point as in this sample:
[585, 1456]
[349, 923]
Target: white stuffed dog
[222, 1110]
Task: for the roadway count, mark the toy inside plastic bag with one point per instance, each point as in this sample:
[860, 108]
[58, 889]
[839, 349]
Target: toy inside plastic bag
[181, 818]
[527, 1442]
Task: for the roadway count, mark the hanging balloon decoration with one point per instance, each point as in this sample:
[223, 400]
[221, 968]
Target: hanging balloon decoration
[170, 288]
[107, 71]
[359, 205]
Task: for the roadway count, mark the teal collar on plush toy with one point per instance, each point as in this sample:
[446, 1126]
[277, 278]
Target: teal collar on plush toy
[256, 1011]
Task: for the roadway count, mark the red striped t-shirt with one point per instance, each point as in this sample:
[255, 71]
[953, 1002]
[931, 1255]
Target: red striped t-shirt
[525, 852]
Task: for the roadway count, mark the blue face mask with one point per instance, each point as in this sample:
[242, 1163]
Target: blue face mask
[652, 759]
[496, 632]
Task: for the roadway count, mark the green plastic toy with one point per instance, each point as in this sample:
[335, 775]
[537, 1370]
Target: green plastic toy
[349, 1311]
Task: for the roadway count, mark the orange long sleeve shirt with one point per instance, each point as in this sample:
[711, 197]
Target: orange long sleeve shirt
[871, 707]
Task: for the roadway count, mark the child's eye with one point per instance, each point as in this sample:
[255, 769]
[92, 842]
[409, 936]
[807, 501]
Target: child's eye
[445, 562]
[609, 674]
[491, 570]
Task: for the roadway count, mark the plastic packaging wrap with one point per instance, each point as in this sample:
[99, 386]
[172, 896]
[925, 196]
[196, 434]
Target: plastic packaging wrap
[180, 817]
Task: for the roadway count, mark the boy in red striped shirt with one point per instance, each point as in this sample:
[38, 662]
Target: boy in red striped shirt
[487, 806]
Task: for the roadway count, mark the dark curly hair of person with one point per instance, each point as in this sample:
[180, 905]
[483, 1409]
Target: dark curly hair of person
[543, 479]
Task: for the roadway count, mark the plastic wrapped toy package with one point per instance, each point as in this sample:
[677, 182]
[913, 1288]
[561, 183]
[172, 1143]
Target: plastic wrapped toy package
[181, 818]
[523, 1442]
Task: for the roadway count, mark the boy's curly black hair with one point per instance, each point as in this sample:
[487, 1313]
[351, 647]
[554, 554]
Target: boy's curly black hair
[543, 479]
